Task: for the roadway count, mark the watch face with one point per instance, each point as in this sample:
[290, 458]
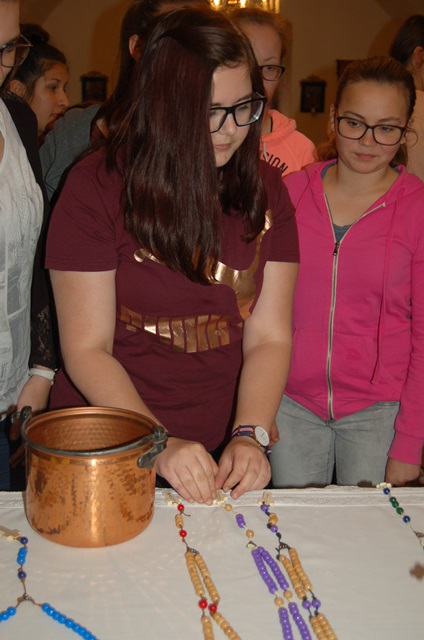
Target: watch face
[262, 436]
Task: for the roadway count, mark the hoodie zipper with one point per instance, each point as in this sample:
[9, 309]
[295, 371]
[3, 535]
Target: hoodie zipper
[336, 251]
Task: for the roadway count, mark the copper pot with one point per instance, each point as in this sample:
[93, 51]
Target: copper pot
[90, 474]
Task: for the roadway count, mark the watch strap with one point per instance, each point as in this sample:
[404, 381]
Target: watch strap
[248, 430]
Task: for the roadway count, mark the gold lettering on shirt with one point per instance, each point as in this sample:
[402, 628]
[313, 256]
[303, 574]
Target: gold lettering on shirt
[204, 332]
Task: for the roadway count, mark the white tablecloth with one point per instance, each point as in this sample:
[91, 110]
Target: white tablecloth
[365, 564]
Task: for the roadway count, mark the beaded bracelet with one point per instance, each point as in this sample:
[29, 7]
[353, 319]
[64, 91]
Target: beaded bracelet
[201, 580]
[386, 486]
[25, 597]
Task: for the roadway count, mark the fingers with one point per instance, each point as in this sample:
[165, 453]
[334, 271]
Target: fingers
[243, 467]
[190, 470]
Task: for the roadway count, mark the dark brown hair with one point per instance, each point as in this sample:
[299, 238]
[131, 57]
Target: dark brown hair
[41, 58]
[136, 22]
[382, 70]
[173, 192]
[409, 36]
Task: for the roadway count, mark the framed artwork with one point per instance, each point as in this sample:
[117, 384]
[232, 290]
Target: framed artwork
[312, 97]
[94, 87]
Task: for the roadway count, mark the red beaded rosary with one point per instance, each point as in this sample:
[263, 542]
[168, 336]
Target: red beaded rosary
[202, 581]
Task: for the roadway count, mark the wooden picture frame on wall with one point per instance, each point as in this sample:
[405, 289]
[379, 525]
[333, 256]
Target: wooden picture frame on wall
[312, 97]
[94, 87]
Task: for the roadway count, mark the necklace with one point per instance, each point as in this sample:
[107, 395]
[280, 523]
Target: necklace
[386, 486]
[300, 581]
[25, 597]
[201, 580]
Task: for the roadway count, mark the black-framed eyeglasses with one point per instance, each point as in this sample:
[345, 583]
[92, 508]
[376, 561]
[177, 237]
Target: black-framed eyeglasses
[14, 52]
[385, 134]
[272, 72]
[244, 113]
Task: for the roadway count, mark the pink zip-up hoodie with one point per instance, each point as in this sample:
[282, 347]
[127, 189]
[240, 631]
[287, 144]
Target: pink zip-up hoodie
[359, 308]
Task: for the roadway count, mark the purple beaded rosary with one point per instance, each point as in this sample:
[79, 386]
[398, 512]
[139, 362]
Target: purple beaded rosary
[267, 566]
[25, 597]
[386, 486]
[300, 581]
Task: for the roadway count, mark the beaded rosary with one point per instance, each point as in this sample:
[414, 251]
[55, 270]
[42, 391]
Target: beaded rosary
[386, 486]
[300, 581]
[262, 558]
[25, 597]
[201, 580]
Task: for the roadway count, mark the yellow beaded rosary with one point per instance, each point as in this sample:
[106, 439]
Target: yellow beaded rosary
[201, 580]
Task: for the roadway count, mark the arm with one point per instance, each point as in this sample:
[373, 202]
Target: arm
[405, 454]
[267, 340]
[86, 309]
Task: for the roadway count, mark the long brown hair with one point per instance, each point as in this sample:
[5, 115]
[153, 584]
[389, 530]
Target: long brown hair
[173, 193]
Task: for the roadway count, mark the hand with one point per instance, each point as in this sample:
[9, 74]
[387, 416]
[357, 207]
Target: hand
[243, 463]
[400, 473]
[189, 469]
[35, 394]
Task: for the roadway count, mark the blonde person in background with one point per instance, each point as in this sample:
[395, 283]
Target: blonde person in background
[408, 48]
[282, 145]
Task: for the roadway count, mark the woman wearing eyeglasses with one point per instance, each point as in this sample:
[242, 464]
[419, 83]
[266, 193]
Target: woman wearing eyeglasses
[282, 145]
[174, 259]
[354, 401]
[26, 346]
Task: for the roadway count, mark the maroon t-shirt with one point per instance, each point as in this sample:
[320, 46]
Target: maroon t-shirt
[179, 341]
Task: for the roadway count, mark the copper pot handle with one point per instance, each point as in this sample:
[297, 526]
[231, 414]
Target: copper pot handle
[24, 417]
[159, 435]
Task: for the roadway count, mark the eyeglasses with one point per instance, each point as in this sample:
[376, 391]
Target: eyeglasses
[14, 53]
[386, 134]
[244, 113]
[272, 72]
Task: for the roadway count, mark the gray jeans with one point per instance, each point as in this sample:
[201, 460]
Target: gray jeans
[311, 450]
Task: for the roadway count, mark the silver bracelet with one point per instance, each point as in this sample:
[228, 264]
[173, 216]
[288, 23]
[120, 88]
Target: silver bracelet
[43, 373]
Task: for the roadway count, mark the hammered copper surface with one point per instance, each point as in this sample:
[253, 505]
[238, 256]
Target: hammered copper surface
[97, 498]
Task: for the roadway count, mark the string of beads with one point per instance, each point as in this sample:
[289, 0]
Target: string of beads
[271, 574]
[386, 486]
[45, 607]
[300, 581]
[202, 582]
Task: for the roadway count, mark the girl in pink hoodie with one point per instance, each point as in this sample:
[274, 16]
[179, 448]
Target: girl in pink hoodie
[354, 403]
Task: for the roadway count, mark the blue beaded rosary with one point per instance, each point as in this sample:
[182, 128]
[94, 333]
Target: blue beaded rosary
[25, 597]
[386, 486]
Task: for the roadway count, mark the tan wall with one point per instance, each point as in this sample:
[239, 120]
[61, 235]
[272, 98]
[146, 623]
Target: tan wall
[88, 30]
[324, 32]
